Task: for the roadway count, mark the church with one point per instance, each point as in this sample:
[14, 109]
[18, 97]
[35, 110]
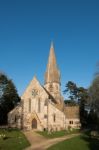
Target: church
[42, 107]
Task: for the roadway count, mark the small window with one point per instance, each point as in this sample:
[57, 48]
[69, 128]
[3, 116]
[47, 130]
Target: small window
[45, 116]
[56, 87]
[51, 88]
[70, 122]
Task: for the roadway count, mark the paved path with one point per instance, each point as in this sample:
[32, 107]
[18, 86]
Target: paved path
[38, 142]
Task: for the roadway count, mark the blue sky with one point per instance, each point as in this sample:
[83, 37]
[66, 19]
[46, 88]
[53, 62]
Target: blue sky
[27, 28]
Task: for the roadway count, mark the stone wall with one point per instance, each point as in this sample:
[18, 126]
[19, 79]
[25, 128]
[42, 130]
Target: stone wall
[72, 117]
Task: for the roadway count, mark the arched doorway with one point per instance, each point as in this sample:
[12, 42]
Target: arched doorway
[34, 123]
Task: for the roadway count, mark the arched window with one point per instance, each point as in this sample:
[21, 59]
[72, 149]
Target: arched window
[15, 118]
[39, 106]
[54, 118]
[29, 105]
[45, 103]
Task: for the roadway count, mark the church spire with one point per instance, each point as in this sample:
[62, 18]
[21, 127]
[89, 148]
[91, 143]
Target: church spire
[52, 73]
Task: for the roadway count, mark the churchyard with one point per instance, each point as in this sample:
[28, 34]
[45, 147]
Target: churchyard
[15, 139]
[12, 139]
[81, 142]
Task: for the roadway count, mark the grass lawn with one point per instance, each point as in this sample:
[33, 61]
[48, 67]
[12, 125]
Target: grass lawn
[13, 140]
[57, 134]
[82, 142]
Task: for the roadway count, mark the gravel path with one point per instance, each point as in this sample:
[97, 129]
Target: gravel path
[38, 142]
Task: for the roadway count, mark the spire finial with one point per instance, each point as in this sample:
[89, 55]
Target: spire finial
[52, 44]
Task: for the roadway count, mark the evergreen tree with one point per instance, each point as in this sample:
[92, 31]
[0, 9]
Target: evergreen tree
[94, 95]
[80, 96]
[8, 97]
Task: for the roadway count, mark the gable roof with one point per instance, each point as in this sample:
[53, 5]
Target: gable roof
[34, 84]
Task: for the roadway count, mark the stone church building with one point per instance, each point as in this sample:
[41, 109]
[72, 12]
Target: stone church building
[42, 107]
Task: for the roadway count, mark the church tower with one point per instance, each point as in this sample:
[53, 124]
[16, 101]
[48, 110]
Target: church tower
[52, 76]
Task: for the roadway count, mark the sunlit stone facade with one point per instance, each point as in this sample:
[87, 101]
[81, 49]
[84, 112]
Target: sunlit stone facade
[42, 107]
